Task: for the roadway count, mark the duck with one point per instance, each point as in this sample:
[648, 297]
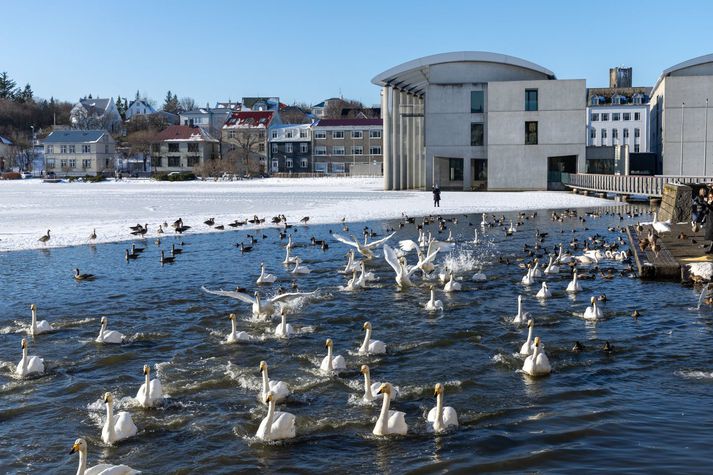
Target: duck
[284, 329]
[441, 418]
[521, 316]
[235, 336]
[608, 348]
[529, 345]
[299, 269]
[365, 249]
[528, 278]
[29, 364]
[93, 235]
[265, 279]
[109, 336]
[36, 328]
[277, 425]
[552, 268]
[151, 392]
[389, 422]
[78, 276]
[369, 346]
[279, 389]
[578, 347]
[537, 364]
[451, 285]
[593, 312]
[371, 388]
[260, 308]
[129, 256]
[166, 259]
[544, 292]
[433, 305]
[80, 447]
[574, 286]
[45, 238]
[116, 427]
[332, 363]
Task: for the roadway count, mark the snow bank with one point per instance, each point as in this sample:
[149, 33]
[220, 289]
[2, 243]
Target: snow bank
[71, 210]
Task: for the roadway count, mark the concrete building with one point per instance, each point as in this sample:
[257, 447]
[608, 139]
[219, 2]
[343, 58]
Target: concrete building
[618, 116]
[180, 148]
[290, 148]
[245, 139]
[79, 152]
[681, 129]
[339, 144]
[478, 120]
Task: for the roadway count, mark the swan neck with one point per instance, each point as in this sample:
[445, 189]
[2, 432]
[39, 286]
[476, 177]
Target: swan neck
[283, 323]
[265, 382]
[270, 417]
[529, 335]
[329, 357]
[439, 411]
[367, 337]
[233, 325]
[367, 386]
[148, 389]
[110, 420]
[383, 421]
[34, 321]
[25, 359]
[519, 305]
[82, 462]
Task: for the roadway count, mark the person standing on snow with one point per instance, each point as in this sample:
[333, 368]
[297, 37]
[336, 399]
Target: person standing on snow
[436, 197]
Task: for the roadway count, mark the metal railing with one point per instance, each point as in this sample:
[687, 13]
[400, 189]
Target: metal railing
[627, 184]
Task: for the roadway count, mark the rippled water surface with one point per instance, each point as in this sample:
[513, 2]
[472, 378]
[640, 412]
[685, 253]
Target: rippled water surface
[645, 408]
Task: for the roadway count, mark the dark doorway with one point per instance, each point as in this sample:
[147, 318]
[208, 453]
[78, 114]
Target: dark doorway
[558, 166]
[480, 174]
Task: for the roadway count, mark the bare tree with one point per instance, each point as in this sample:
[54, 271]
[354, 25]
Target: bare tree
[334, 108]
[187, 103]
[244, 150]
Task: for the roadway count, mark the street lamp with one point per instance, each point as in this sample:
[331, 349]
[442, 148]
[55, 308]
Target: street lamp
[683, 104]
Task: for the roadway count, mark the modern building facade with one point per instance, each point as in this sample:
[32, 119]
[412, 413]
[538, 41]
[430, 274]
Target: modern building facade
[79, 152]
[478, 120]
[290, 148]
[181, 148]
[339, 144]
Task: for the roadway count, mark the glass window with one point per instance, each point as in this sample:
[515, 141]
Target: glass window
[626, 133]
[375, 134]
[72, 163]
[530, 133]
[357, 134]
[63, 163]
[626, 116]
[320, 167]
[274, 134]
[288, 163]
[337, 150]
[593, 133]
[476, 101]
[615, 116]
[320, 150]
[605, 117]
[338, 168]
[193, 147]
[637, 116]
[636, 148]
[303, 148]
[303, 163]
[303, 133]
[231, 134]
[288, 148]
[337, 134]
[595, 117]
[62, 149]
[173, 147]
[375, 150]
[289, 134]
[274, 148]
[604, 133]
[530, 99]
[86, 163]
[261, 147]
[476, 134]
[50, 149]
[455, 166]
[174, 161]
[357, 150]
[637, 133]
[86, 148]
[193, 161]
[71, 149]
[615, 133]
[275, 165]
[320, 134]
[50, 163]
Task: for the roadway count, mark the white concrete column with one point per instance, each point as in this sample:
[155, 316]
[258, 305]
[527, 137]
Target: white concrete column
[386, 138]
[396, 134]
[467, 174]
[411, 156]
[403, 167]
[420, 149]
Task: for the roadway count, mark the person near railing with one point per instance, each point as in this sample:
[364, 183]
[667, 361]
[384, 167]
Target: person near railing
[699, 208]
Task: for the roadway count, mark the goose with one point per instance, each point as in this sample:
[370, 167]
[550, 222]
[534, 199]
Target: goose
[300, 269]
[166, 259]
[261, 308]
[574, 285]
[93, 235]
[235, 336]
[141, 231]
[537, 364]
[265, 278]
[363, 249]
[284, 329]
[137, 250]
[279, 389]
[289, 259]
[389, 422]
[129, 256]
[45, 238]
[80, 446]
[434, 305]
[78, 276]
[441, 418]
[552, 268]
[150, 393]
[175, 250]
[544, 292]
[332, 363]
[36, 328]
[116, 427]
[528, 278]
[451, 284]
[276, 425]
[29, 364]
[108, 336]
[593, 312]
[527, 347]
[521, 316]
[480, 276]
[369, 346]
[159, 230]
[403, 273]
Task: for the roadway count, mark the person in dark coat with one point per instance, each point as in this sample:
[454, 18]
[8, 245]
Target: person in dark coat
[699, 207]
[436, 196]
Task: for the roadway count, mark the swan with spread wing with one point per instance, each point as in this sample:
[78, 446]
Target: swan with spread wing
[260, 307]
[365, 249]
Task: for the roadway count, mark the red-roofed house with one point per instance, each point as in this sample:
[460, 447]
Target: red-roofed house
[347, 146]
[181, 148]
[245, 136]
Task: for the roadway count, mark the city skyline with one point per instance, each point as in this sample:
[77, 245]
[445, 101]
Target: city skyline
[218, 51]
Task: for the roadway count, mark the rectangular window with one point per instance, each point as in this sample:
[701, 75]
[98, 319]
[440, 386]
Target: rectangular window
[530, 133]
[274, 148]
[304, 147]
[530, 99]
[337, 134]
[231, 134]
[636, 148]
[455, 167]
[63, 163]
[274, 134]
[261, 135]
[615, 116]
[49, 149]
[86, 164]
[375, 150]
[320, 150]
[615, 133]
[261, 147]
[72, 163]
[637, 115]
[605, 117]
[174, 161]
[193, 160]
[275, 165]
[595, 117]
[303, 163]
[593, 133]
[476, 101]
[86, 149]
[626, 116]
[375, 134]
[62, 149]
[288, 163]
[288, 148]
[357, 150]
[320, 167]
[193, 147]
[338, 168]
[50, 163]
[303, 133]
[637, 133]
[626, 133]
[357, 134]
[173, 147]
[337, 150]
[289, 134]
[604, 133]
[72, 149]
[476, 134]
[320, 134]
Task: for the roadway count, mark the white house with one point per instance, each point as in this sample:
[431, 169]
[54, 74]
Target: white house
[97, 113]
[139, 107]
[618, 116]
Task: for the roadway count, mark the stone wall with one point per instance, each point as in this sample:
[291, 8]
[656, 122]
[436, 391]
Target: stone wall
[676, 203]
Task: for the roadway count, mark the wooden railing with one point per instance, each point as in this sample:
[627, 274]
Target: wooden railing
[651, 186]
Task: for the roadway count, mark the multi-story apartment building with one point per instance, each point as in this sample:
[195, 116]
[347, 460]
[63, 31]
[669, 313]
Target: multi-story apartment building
[339, 144]
[181, 148]
[290, 148]
[209, 119]
[79, 152]
[245, 139]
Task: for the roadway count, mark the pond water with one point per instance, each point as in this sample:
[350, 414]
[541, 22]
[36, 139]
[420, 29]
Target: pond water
[644, 408]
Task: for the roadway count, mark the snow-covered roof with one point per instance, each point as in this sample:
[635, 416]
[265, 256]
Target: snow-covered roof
[74, 136]
[349, 123]
[249, 119]
[100, 104]
[184, 133]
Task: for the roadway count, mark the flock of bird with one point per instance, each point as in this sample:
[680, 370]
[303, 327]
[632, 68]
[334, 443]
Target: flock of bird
[278, 424]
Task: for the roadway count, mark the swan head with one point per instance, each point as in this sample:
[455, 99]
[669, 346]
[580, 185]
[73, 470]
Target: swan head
[384, 389]
[80, 445]
[255, 294]
[33, 307]
[103, 321]
[146, 369]
[592, 300]
[269, 397]
[262, 265]
[438, 389]
[232, 316]
[367, 326]
[328, 343]
[364, 369]
[24, 343]
[530, 323]
[108, 398]
[263, 366]
[537, 341]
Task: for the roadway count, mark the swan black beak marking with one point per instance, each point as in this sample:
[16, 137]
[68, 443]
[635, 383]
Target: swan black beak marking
[74, 449]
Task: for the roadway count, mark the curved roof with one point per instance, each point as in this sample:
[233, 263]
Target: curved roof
[706, 58]
[411, 77]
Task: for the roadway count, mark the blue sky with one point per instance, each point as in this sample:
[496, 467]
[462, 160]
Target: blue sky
[308, 51]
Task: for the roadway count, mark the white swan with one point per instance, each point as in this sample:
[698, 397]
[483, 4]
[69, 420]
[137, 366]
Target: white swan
[476, 240]
[483, 221]
[480, 276]
[369, 346]
[537, 364]
[36, 328]
[235, 336]
[574, 285]
[276, 425]
[363, 249]
[403, 272]
[544, 292]
[261, 308]
[441, 418]
[300, 269]
[332, 363]
[371, 388]
[552, 268]
[116, 427]
[521, 316]
[452, 285]
[284, 329]
[433, 305]
[352, 265]
[279, 389]
[528, 278]
[660, 226]
[29, 364]
[593, 312]
[265, 279]
[151, 392]
[536, 272]
[109, 336]
[450, 237]
[529, 345]
[353, 283]
[289, 259]
[80, 446]
[389, 422]
[365, 275]
[512, 228]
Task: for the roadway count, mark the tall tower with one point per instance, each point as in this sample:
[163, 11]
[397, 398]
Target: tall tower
[620, 77]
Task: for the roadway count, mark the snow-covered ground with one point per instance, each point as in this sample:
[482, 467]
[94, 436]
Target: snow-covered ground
[28, 208]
